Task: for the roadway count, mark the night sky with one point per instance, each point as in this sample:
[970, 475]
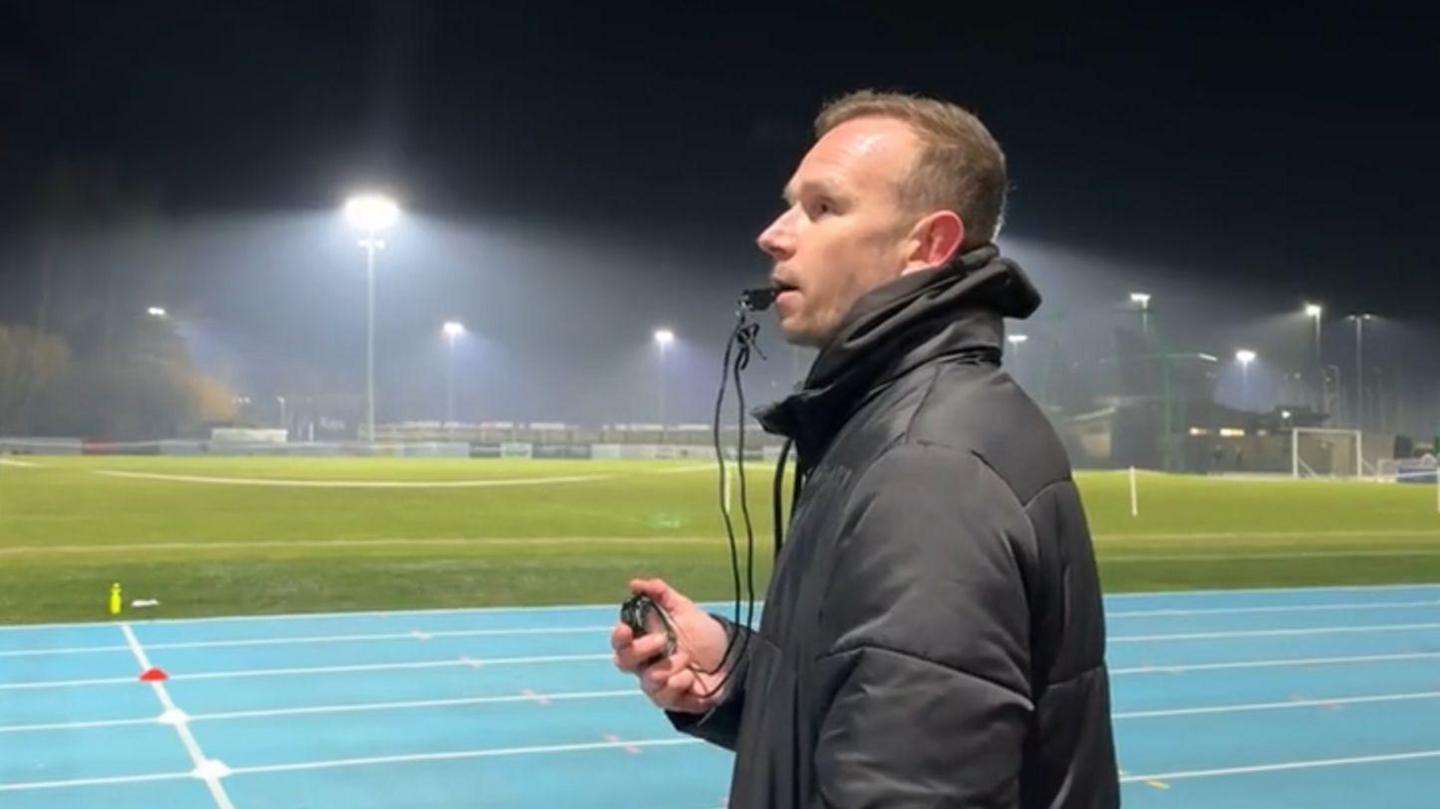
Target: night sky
[1275, 154]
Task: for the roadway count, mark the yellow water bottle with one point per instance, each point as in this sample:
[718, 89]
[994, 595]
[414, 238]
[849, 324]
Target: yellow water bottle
[115, 598]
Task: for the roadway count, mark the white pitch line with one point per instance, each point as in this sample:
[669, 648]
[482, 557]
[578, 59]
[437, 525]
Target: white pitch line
[204, 768]
[1342, 533]
[18, 550]
[1372, 605]
[1221, 593]
[20, 464]
[1278, 663]
[1288, 765]
[465, 754]
[1276, 706]
[1275, 633]
[356, 484]
[1242, 556]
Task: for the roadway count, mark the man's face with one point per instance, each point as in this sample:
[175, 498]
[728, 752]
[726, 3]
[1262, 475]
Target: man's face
[845, 230]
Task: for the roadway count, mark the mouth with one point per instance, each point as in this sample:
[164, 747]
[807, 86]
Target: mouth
[782, 287]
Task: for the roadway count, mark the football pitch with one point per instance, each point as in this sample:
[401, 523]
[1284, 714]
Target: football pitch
[227, 536]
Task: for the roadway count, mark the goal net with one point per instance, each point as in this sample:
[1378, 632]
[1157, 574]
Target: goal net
[1326, 453]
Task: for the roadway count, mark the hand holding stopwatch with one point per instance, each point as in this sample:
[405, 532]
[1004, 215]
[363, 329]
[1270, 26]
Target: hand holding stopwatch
[645, 617]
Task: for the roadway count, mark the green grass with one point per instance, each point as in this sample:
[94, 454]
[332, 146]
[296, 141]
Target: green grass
[66, 532]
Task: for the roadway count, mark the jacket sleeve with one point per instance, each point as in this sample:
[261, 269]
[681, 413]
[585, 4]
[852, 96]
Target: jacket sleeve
[924, 691]
[721, 724]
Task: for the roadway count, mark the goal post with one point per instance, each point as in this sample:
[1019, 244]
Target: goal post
[1326, 453]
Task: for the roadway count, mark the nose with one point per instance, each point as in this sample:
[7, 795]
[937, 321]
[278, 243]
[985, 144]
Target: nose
[778, 240]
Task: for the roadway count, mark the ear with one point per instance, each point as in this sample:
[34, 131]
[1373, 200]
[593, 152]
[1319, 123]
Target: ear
[933, 241]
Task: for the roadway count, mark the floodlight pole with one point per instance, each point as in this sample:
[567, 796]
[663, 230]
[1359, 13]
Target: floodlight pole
[371, 245]
[1359, 372]
[450, 380]
[660, 373]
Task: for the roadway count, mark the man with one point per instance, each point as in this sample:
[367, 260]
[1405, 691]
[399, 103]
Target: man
[933, 633]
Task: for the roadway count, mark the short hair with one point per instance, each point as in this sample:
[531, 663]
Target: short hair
[960, 166]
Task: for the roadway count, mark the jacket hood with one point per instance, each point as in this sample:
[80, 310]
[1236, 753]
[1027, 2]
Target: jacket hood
[953, 310]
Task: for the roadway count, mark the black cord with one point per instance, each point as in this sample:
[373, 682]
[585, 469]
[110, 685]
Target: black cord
[738, 350]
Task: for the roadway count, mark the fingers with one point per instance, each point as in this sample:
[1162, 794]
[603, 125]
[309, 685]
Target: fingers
[661, 593]
[669, 682]
[633, 654]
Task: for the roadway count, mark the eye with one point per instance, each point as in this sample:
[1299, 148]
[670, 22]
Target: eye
[821, 207]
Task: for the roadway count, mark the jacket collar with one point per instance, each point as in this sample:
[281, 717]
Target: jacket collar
[955, 310]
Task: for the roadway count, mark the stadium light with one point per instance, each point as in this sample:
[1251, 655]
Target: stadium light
[1245, 356]
[1017, 339]
[453, 329]
[370, 214]
[156, 311]
[1142, 299]
[664, 337]
[1314, 310]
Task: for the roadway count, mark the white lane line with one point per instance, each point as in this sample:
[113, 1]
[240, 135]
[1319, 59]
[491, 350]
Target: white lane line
[465, 754]
[205, 769]
[1368, 605]
[356, 484]
[1293, 704]
[327, 709]
[1280, 663]
[486, 662]
[89, 782]
[1276, 706]
[428, 703]
[412, 635]
[1275, 633]
[1288, 765]
[483, 662]
[102, 723]
[492, 752]
[479, 662]
[71, 650]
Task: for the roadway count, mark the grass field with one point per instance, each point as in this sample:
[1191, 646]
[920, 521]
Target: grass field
[211, 536]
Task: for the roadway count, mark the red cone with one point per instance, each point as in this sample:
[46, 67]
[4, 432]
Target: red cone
[154, 675]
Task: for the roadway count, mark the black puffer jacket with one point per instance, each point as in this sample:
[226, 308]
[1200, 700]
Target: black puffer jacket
[933, 633]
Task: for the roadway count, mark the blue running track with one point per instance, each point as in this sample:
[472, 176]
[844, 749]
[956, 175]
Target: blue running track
[1310, 698]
